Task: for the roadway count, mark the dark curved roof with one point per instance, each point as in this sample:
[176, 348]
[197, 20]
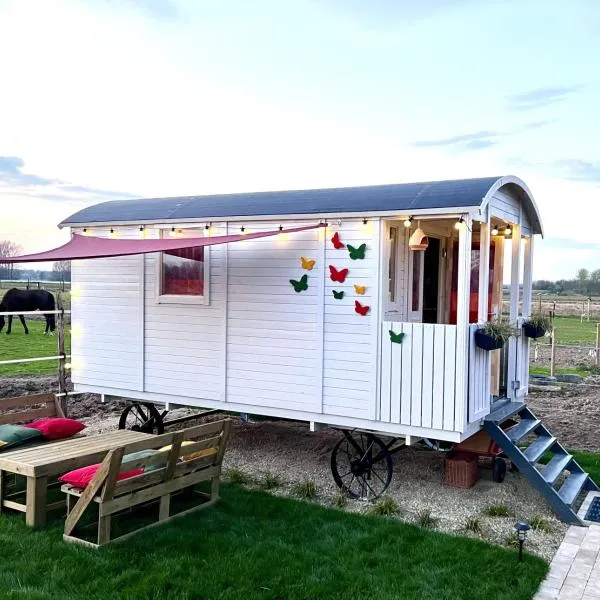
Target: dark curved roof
[409, 197]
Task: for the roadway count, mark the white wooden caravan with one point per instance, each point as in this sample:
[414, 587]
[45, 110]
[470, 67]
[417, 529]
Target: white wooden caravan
[236, 336]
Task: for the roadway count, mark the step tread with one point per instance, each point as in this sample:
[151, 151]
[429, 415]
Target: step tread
[555, 467]
[572, 486]
[537, 448]
[525, 427]
[505, 412]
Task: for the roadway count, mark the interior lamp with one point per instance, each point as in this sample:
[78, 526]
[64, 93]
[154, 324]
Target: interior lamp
[508, 231]
[495, 230]
[408, 222]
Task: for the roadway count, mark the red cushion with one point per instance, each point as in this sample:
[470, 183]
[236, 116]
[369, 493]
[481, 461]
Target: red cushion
[80, 478]
[57, 428]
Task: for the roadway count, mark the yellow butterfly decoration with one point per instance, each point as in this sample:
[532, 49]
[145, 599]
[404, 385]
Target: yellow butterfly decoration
[307, 263]
[360, 289]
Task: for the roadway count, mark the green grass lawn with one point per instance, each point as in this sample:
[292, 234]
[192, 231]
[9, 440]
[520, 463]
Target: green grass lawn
[590, 461]
[559, 371]
[18, 345]
[570, 330]
[253, 545]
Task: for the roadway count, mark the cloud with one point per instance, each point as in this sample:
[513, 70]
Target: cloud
[157, 9]
[541, 97]
[14, 181]
[479, 140]
[579, 170]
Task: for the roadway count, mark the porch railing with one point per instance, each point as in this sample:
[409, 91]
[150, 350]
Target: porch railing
[418, 376]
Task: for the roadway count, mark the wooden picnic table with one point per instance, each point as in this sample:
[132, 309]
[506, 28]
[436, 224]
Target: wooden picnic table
[43, 463]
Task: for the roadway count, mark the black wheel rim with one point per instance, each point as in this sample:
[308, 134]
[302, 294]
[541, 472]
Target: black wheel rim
[361, 466]
[141, 417]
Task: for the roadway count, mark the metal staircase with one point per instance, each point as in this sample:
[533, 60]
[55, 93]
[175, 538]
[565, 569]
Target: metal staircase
[525, 444]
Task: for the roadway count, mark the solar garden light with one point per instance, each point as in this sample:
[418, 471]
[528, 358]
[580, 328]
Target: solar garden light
[522, 528]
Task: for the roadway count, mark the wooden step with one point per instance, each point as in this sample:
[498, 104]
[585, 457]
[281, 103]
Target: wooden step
[551, 472]
[571, 487]
[523, 429]
[537, 449]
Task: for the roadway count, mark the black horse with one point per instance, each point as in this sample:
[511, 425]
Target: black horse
[25, 300]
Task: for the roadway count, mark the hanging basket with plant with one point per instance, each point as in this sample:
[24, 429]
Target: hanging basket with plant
[493, 335]
[537, 326]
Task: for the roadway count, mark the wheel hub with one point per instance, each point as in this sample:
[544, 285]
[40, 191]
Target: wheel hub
[359, 467]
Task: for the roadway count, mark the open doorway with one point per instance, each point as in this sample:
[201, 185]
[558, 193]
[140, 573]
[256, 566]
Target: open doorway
[431, 281]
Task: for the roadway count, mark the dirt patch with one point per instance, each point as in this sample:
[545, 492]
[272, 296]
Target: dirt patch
[573, 415]
[572, 357]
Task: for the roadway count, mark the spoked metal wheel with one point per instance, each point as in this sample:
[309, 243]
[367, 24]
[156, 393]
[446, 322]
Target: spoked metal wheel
[142, 416]
[361, 465]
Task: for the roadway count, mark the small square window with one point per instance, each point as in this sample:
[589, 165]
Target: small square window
[183, 275]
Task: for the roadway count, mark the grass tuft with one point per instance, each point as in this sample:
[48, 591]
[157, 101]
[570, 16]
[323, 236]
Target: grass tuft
[538, 523]
[340, 500]
[385, 507]
[238, 477]
[498, 510]
[307, 490]
[474, 525]
[426, 519]
[270, 481]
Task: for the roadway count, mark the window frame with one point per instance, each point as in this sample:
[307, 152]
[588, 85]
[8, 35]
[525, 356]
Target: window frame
[182, 298]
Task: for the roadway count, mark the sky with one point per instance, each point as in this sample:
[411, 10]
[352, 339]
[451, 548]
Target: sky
[111, 99]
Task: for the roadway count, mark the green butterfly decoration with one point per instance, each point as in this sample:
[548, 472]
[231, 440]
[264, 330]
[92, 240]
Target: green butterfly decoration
[357, 253]
[302, 285]
[338, 295]
[396, 338]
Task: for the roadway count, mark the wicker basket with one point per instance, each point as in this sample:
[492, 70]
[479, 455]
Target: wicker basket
[461, 470]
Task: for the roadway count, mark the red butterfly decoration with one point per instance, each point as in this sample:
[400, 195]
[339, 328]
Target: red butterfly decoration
[337, 243]
[339, 276]
[360, 309]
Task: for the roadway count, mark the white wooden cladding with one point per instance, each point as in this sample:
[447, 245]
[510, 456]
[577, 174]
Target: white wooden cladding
[274, 338]
[479, 379]
[418, 376]
[106, 311]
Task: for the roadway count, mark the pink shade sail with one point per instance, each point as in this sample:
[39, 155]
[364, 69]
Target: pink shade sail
[83, 247]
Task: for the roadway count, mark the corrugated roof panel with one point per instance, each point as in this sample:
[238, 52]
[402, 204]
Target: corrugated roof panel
[397, 197]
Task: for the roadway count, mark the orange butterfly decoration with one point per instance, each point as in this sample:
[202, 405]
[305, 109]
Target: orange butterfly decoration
[307, 264]
[360, 309]
[339, 276]
[360, 289]
[335, 240]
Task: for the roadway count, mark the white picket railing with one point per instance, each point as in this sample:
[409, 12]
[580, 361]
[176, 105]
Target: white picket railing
[479, 379]
[418, 376]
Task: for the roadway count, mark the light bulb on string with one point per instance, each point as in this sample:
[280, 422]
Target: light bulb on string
[408, 222]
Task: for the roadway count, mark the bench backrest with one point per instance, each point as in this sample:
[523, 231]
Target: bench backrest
[181, 453]
[28, 408]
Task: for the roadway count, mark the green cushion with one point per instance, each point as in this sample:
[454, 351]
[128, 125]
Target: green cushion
[15, 435]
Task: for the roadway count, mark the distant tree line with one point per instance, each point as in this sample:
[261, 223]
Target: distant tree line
[61, 270]
[585, 282]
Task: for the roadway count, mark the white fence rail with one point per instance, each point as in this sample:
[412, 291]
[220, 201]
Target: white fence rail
[418, 376]
[479, 379]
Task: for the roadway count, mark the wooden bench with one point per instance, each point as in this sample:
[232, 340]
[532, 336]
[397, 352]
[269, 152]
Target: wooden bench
[167, 471]
[29, 408]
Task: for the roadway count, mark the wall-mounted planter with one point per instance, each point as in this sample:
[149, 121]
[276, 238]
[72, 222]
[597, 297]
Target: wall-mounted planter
[531, 331]
[487, 342]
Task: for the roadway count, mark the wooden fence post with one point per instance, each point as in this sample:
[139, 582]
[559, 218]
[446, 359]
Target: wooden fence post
[62, 372]
[552, 351]
[598, 344]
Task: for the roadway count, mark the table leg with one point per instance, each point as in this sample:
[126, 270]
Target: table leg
[37, 492]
